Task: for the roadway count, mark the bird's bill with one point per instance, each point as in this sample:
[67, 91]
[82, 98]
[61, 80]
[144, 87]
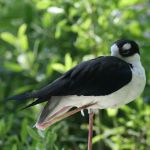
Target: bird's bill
[59, 115]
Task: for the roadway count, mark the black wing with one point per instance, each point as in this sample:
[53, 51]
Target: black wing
[96, 77]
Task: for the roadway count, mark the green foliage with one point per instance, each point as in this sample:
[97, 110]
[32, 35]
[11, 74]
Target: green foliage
[40, 40]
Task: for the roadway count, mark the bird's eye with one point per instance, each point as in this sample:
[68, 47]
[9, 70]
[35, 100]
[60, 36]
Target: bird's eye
[125, 52]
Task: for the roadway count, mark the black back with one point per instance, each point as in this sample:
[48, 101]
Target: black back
[96, 77]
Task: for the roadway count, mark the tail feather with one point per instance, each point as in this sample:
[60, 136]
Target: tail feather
[23, 96]
[38, 101]
[39, 98]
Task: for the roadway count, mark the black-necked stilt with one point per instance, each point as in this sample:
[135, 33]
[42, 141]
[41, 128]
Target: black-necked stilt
[103, 82]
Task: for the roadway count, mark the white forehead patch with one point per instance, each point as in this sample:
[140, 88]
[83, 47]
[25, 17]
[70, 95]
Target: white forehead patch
[114, 50]
[126, 46]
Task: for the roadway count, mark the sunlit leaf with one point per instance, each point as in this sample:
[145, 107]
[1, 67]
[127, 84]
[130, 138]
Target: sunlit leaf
[13, 67]
[8, 37]
[58, 67]
[22, 37]
[127, 2]
[22, 30]
[68, 61]
[134, 28]
[112, 112]
[86, 24]
[43, 4]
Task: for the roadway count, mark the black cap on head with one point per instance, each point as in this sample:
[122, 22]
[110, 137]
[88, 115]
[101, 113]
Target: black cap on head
[127, 47]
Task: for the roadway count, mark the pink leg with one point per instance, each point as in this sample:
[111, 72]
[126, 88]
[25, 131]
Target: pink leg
[91, 115]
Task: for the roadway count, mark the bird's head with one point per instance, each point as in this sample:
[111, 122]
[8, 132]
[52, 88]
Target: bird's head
[124, 48]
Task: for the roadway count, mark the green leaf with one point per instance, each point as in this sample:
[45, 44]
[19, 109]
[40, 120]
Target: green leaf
[58, 67]
[112, 112]
[86, 24]
[9, 38]
[24, 132]
[14, 147]
[97, 138]
[123, 3]
[134, 28]
[13, 67]
[68, 62]
[22, 30]
[22, 37]
[2, 127]
[43, 4]
[33, 133]
[9, 122]
[51, 138]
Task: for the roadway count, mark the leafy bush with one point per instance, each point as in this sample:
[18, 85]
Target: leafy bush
[40, 40]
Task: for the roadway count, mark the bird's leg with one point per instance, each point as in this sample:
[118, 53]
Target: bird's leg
[90, 134]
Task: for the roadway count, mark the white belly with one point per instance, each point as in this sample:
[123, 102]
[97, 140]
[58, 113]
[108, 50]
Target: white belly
[123, 96]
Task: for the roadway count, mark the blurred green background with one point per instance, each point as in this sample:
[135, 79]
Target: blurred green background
[40, 40]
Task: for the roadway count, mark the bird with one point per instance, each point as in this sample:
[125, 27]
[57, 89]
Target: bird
[100, 83]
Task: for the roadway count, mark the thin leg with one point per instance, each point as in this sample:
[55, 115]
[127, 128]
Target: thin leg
[91, 115]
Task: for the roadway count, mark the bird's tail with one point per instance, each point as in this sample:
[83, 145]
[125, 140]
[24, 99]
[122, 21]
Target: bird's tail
[23, 96]
[29, 95]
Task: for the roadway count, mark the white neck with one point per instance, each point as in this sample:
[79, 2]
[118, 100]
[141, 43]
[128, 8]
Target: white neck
[134, 59]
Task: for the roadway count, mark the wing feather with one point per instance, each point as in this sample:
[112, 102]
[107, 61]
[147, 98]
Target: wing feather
[100, 76]
[96, 77]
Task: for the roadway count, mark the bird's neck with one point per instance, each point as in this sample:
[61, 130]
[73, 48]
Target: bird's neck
[135, 59]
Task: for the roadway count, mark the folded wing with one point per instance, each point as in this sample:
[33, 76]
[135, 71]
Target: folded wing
[96, 77]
